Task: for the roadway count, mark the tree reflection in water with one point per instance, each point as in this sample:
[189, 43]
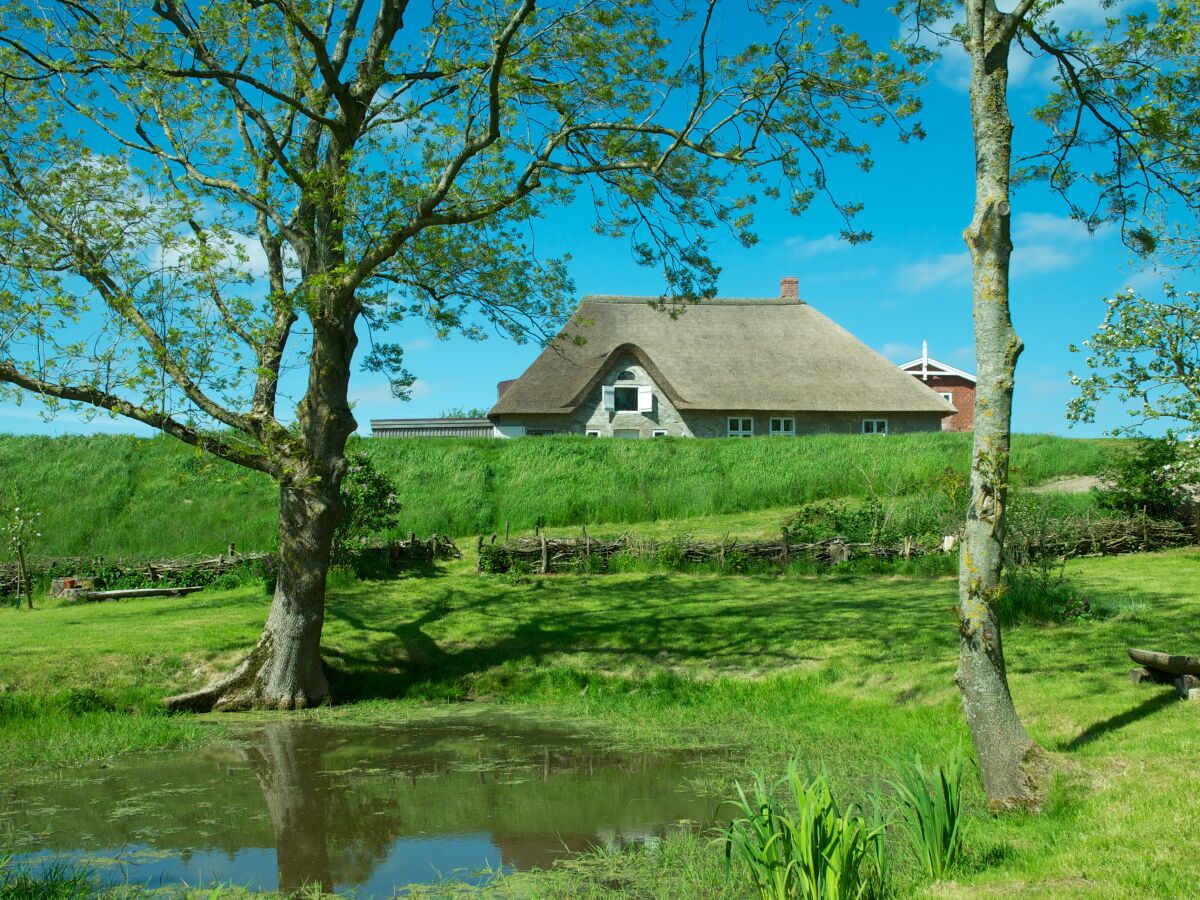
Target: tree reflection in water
[356, 808]
[289, 772]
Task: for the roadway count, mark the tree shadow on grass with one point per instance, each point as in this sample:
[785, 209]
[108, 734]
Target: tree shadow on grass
[1113, 723]
[652, 621]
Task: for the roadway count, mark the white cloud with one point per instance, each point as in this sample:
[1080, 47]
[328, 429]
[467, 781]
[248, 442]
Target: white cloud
[1040, 258]
[944, 269]
[899, 352]
[954, 67]
[1080, 13]
[239, 246]
[1146, 281]
[806, 248]
[963, 355]
[379, 393]
[416, 345]
[1042, 242]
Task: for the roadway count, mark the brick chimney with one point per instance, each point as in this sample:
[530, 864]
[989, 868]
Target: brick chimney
[789, 288]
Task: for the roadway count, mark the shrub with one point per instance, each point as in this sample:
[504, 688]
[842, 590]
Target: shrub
[1040, 592]
[807, 848]
[370, 506]
[1148, 475]
[931, 813]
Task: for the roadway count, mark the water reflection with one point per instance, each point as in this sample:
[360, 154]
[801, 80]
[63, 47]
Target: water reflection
[353, 807]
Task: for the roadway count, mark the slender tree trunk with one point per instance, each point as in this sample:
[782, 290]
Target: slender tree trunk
[284, 670]
[24, 582]
[1012, 765]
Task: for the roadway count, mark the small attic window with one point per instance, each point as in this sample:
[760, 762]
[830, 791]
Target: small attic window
[625, 376]
[626, 399]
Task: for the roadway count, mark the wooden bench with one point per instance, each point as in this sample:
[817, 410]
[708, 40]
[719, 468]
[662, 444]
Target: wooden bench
[1164, 668]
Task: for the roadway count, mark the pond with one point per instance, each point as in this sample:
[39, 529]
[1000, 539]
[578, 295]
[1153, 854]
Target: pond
[357, 809]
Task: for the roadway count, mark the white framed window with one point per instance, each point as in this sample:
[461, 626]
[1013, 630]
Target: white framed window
[874, 426]
[659, 432]
[628, 433]
[593, 434]
[740, 427]
[783, 427]
[948, 397]
[625, 399]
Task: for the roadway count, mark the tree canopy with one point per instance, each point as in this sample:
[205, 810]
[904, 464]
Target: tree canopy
[1146, 356]
[187, 188]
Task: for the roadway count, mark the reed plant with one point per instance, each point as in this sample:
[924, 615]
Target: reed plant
[807, 847]
[931, 813]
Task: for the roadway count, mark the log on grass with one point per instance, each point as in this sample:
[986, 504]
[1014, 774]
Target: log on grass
[95, 596]
[1166, 662]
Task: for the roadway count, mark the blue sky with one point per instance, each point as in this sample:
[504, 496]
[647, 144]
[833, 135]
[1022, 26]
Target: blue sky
[911, 283]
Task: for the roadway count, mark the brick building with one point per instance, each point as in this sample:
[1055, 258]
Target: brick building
[954, 385]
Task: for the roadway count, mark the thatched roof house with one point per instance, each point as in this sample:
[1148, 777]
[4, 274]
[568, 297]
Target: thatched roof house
[727, 366]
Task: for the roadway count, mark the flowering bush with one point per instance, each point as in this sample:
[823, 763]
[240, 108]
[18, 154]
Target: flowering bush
[1150, 475]
[370, 507]
[18, 530]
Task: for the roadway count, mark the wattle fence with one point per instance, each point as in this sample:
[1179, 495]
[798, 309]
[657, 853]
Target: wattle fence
[201, 570]
[1064, 538]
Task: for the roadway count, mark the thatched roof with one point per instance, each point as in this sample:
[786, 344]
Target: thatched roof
[721, 354]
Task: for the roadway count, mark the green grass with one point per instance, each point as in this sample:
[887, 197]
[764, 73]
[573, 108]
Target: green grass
[120, 496]
[851, 672]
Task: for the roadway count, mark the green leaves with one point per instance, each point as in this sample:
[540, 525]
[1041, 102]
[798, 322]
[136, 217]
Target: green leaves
[1145, 355]
[931, 813]
[808, 848]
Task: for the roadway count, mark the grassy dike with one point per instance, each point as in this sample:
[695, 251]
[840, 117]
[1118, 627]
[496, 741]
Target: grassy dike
[120, 496]
[851, 672]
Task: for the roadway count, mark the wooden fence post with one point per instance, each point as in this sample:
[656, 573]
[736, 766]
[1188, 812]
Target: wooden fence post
[232, 550]
[479, 554]
[784, 558]
[493, 540]
[545, 556]
[506, 532]
[412, 540]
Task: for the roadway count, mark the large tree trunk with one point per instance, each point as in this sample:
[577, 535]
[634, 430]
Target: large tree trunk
[1012, 765]
[284, 670]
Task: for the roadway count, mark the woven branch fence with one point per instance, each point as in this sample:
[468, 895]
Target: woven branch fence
[544, 554]
[1084, 536]
[1064, 539]
[201, 570]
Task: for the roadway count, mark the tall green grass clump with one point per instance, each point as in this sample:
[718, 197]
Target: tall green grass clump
[931, 813]
[48, 881]
[808, 848]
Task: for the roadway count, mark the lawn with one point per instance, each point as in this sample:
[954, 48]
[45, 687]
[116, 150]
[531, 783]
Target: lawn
[852, 672]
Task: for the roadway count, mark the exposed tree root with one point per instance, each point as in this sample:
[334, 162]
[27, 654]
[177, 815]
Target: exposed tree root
[260, 681]
[1035, 772]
